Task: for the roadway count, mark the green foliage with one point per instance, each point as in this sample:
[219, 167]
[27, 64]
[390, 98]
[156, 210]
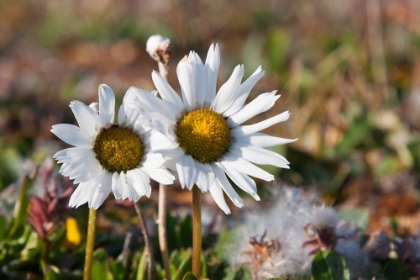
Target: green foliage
[394, 269]
[189, 276]
[354, 136]
[179, 232]
[8, 158]
[328, 265]
[184, 262]
[17, 245]
[142, 266]
[278, 42]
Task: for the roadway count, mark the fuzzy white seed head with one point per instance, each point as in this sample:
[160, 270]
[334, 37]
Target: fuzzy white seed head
[285, 239]
[324, 217]
[159, 48]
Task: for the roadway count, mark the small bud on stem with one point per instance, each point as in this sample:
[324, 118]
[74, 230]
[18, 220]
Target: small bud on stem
[159, 48]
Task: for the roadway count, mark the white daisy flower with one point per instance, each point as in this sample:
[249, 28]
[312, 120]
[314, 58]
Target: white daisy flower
[206, 128]
[110, 157]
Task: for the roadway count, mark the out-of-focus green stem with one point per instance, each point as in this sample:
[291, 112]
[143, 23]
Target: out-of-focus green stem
[196, 243]
[90, 244]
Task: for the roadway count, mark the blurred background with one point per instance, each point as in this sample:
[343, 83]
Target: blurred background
[348, 71]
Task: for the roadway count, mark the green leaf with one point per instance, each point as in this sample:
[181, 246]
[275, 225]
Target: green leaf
[117, 269]
[99, 271]
[21, 208]
[2, 228]
[203, 265]
[174, 261]
[52, 275]
[394, 269]
[171, 234]
[184, 268]
[189, 276]
[328, 265]
[142, 267]
[185, 232]
[100, 255]
[355, 135]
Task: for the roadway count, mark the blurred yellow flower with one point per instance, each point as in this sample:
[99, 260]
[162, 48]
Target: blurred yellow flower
[73, 235]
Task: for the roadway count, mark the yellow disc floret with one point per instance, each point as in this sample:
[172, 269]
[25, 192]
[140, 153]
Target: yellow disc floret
[118, 149]
[203, 134]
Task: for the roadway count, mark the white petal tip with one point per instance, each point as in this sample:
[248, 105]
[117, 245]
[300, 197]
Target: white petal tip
[256, 197]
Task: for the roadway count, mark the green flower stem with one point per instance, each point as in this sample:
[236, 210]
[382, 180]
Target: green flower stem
[90, 245]
[196, 243]
[163, 243]
[147, 244]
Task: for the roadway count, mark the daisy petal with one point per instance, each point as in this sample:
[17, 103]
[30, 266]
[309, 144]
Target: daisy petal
[81, 195]
[72, 135]
[124, 186]
[147, 103]
[141, 182]
[217, 194]
[257, 106]
[241, 180]
[243, 92]
[159, 141]
[227, 93]
[205, 176]
[185, 74]
[116, 186]
[106, 105]
[74, 155]
[102, 191]
[153, 160]
[87, 119]
[262, 140]
[261, 156]
[166, 91]
[246, 167]
[212, 68]
[249, 129]
[200, 82]
[132, 194]
[132, 117]
[85, 171]
[122, 117]
[226, 186]
[187, 172]
[160, 175]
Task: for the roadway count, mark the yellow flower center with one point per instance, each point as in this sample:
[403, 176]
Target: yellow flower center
[118, 149]
[203, 134]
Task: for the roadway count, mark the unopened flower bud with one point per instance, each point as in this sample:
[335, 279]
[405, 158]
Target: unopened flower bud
[159, 48]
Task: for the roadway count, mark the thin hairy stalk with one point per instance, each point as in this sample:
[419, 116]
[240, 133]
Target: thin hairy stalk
[196, 246]
[147, 244]
[90, 244]
[163, 242]
[159, 49]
